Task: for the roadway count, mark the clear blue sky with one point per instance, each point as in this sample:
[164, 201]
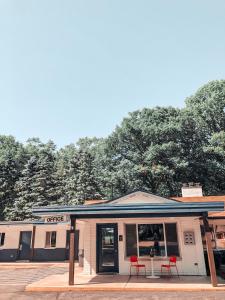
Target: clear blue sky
[75, 68]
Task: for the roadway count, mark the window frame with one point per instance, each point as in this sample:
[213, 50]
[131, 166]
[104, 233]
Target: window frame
[165, 240]
[2, 234]
[50, 239]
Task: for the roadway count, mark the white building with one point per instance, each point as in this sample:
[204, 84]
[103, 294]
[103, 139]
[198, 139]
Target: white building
[132, 225]
[105, 235]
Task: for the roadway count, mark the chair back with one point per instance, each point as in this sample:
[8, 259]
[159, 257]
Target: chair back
[173, 260]
[133, 259]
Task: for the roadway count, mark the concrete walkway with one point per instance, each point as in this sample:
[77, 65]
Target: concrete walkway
[32, 265]
[59, 283]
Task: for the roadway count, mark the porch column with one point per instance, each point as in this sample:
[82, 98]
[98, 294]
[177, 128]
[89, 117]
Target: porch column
[33, 242]
[71, 250]
[210, 254]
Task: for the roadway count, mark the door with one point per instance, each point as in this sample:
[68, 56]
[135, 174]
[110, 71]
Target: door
[76, 244]
[107, 248]
[25, 245]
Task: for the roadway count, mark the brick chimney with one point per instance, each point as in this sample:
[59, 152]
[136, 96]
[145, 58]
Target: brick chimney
[191, 189]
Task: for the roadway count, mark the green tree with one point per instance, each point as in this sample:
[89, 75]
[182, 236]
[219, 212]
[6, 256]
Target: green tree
[38, 182]
[12, 158]
[208, 106]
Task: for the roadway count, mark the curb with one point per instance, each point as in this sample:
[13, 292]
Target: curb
[119, 289]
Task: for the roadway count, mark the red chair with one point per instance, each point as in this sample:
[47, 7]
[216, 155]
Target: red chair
[134, 264]
[172, 264]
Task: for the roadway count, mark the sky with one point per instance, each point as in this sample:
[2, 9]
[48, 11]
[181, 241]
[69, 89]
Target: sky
[76, 68]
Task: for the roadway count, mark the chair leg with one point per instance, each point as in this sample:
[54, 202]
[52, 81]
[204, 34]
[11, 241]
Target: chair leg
[177, 272]
[145, 272]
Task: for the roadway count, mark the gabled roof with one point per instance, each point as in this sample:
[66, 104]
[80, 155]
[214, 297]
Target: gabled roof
[140, 197]
[135, 197]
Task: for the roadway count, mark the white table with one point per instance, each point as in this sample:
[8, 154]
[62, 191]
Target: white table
[152, 276]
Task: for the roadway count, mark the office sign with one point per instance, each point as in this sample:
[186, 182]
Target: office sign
[56, 219]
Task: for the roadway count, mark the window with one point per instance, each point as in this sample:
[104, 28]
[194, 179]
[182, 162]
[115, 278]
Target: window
[220, 235]
[171, 239]
[151, 236]
[131, 240]
[2, 238]
[140, 238]
[50, 241]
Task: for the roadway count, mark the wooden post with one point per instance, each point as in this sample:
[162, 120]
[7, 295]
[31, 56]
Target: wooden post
[32, 242]
[72, 251]
[210, 254]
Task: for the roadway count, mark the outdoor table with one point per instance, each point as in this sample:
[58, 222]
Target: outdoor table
[152, 276]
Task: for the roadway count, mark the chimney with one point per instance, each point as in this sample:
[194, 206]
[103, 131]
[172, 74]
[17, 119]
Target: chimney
[191, 189]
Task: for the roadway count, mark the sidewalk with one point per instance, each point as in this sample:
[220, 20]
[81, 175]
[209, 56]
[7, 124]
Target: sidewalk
[59, 283]
[32, 265]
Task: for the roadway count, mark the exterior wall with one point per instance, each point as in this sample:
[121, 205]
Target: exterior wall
[10, 250]
[41, 253]
[191, 261]
[89, 248]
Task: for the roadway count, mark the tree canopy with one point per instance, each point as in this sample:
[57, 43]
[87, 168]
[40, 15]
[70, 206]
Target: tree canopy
[155, 149]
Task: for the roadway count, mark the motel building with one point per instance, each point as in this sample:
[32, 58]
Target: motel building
[104, 235]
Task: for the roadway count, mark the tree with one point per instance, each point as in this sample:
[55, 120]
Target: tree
[153, 149]
[37, 185]
[208, 106]
[12, 158]
[142, 148]
[77, 166]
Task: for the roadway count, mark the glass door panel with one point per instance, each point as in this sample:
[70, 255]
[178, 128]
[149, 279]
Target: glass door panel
[107, 250]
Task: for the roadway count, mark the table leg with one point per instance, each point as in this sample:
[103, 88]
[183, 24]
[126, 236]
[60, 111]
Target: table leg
[153, 276]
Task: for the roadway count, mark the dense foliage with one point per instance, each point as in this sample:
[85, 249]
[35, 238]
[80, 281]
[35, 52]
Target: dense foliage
[153, 149]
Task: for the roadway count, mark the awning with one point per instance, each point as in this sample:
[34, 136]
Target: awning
[131, 210]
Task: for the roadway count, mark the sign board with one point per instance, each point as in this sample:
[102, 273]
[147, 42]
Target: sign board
[56, 219]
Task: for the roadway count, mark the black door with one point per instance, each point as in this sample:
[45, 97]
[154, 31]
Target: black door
[24, 246]
[76, 244]
[107, 248]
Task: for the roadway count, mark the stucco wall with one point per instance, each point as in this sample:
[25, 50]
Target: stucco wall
[12, 234]
[191, 261]
[9, 251]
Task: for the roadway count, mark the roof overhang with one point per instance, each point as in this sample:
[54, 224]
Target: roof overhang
[131, 211]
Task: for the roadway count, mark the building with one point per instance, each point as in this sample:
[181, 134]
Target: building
[44, 240]
[104, 235]
[132, 225]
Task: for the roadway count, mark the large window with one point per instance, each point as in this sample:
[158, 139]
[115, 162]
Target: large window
[50, 241]
[2, 238]
[162, 238]
[151, 236]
